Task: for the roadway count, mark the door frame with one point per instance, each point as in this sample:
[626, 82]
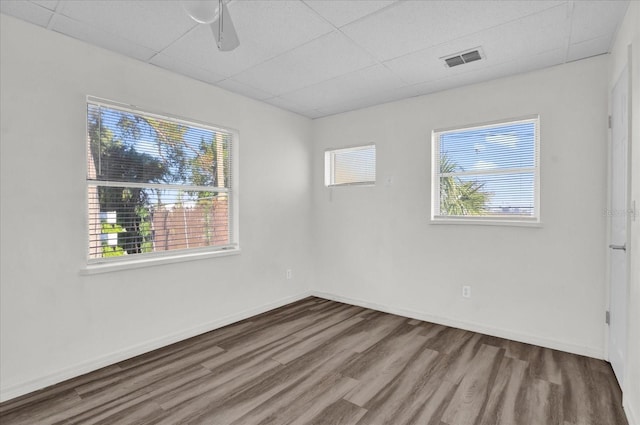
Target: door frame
[628, 214]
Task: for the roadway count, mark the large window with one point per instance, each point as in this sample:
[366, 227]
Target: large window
[350, 166]
[156, 185]
[487, 173]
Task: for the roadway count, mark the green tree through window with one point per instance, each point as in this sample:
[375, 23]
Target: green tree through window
[458, 197]
[487, 173]
[155, 184]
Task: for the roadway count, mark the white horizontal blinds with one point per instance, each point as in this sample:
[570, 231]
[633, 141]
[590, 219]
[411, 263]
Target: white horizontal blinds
[353, 165]
[488, 171]
[155, 184]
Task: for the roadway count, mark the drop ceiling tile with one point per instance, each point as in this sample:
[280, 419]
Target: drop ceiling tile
[373, 99]
[392, 95]
[539, 61]
[243, 89]
[26, 11]
[49, 4]
[589, 48]
[422, 66]
[184, 68]
[292, 57]
[431, 87]
[593, 19]
[345, 88]
[410, 26]
[536, 33]
[518, 66]
[486, 74]
[153, 24]
[99, 38]
[324, 58]
[265, 29]
[340, 12]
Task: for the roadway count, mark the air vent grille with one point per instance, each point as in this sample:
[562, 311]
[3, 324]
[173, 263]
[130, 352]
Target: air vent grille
[471, 56]
[454, 61]
[461, 58]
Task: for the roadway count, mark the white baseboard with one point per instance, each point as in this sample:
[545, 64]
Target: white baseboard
[487, 330]
[8, 393]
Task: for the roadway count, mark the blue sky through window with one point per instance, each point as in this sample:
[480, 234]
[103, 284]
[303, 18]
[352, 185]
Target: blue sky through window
[502, 158]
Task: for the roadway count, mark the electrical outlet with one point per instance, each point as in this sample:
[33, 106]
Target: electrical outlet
[289, 274]
[466, 291]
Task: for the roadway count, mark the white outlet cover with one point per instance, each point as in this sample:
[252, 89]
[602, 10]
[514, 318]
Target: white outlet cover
[466, 291]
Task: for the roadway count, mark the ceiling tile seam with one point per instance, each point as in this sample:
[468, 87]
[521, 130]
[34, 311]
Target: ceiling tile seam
[591, 39]
[315, 12]
[180, 37]
[337, 77]
[52, 22]
[115, 36]
[57, 16]
[373, 57]
[355, 43]
[375, 12]
[471, 34]
[53, 15]
[60, 11]
[46, 7]
[546, 9]
[338, 29]
[357, 19]
[406, 82]
[571, 8]
[282, 54]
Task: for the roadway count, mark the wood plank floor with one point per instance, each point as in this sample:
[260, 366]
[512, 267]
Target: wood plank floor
[319, 362]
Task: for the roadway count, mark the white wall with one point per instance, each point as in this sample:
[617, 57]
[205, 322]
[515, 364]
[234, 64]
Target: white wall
[629, 34]
[375, 246]
[56, 323]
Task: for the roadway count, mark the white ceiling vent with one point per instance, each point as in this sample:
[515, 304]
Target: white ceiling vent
[456, 59]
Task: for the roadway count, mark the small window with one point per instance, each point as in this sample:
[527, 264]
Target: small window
[350, 166]
[487, 173]
[156, 185]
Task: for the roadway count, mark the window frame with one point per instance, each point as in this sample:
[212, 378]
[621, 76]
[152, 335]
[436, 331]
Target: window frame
[107, 264]
[329, 166]
[499, 220]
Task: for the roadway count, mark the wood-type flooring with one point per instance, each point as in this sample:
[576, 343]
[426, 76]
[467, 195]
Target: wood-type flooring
[319, 362]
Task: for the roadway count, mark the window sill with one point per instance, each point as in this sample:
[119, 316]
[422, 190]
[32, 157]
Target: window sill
[108, 267]
[359, 184]
[486, 222]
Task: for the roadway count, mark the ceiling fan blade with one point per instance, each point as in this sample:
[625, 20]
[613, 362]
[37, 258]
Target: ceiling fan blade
[224, 31]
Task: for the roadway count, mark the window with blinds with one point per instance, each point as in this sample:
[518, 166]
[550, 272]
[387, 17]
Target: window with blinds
[350, 166]
[487, 172]
[156, 184]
